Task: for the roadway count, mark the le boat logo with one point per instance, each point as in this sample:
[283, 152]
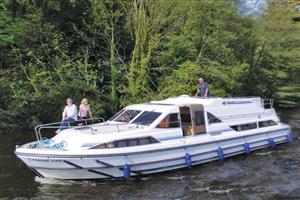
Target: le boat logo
[44, 160]
[236, 102]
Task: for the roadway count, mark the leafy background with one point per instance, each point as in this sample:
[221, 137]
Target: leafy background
[118, 52]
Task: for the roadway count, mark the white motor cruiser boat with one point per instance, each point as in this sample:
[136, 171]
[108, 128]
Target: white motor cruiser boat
[154, 137]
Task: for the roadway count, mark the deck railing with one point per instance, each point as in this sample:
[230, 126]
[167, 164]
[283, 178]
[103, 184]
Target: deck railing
[267, 103]
[57, 125]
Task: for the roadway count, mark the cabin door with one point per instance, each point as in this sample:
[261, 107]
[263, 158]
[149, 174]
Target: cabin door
[186, 120]
[198, 119]
[192, 120]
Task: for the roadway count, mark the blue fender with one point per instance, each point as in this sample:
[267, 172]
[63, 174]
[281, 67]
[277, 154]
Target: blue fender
[272, 143]
[188, 160]
[247, 148]
[220, 154]
[127, 171]
[289, 137]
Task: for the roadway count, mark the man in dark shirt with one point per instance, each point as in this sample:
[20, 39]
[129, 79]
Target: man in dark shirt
[202, 89]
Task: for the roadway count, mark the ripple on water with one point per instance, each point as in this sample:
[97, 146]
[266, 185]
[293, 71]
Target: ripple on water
[204, 189]
[175, 177]
[263, 153]
[220, 191]
[49, 181]
[294, 193]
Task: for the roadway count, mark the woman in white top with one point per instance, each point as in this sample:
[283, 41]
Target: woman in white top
[69, 115]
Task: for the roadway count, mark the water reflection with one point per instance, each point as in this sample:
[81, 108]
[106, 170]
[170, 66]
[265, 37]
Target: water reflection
[264, 174]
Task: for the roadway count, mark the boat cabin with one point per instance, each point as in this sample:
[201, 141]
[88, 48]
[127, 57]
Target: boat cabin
[169, 119]
[194, 116]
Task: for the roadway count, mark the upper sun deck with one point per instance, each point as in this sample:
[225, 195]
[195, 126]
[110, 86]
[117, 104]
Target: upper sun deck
[217, 105]
[153, 107]
[209, 102]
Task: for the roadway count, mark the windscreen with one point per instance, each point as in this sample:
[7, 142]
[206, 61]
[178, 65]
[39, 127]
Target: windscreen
[147, 118]
[116, 115]
[127, 116]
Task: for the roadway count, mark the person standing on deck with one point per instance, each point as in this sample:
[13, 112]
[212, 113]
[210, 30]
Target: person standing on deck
[69, 115]
[85, 110]
[202, 89]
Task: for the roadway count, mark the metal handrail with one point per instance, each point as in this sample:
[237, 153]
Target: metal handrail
[269, 102]
[38, 128]
[117, 125]
[243, 115]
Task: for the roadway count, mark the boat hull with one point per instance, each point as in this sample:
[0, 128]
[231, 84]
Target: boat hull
[148, 162]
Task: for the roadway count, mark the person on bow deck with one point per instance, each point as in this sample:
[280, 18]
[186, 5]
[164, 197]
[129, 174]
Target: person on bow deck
[202, 89]
[69, 115]
[85, 110]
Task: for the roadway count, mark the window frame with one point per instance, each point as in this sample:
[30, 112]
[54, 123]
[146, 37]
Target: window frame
[213, 118]
[146, 113]
[199, 118]
[169, 123]
[119, 117]
[244, 127]
[270, 123]
[115, 143]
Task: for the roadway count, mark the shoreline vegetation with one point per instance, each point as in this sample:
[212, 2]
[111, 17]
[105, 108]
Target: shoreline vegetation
[119, 52]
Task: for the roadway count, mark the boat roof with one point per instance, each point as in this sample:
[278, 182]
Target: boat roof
[154, 107]
[171, 104]
[185, 99]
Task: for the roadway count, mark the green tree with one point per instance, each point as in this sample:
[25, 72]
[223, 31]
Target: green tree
[150, 23]
[108, 17]
[217, 40]
[275, 70]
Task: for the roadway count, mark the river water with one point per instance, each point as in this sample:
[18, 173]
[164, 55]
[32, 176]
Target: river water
[264, 174]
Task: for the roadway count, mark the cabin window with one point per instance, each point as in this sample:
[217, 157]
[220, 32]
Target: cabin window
[147, 140]
[266, 123]
[170, 121]
[244, 127]
[132, 142]
[127, 116]
[199, 118]
[185, 118]
[143, 141]
[127, 143]
[121, 143]
[153, 140]
[212, 119]
[146, 118]
[174, 121]
[186, 121]
[236, 128]
[185, 115]
[116, 115]
[109, 145]
[101, 146]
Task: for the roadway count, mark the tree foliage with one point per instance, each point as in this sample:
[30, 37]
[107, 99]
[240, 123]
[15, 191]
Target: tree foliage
[117, 52]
